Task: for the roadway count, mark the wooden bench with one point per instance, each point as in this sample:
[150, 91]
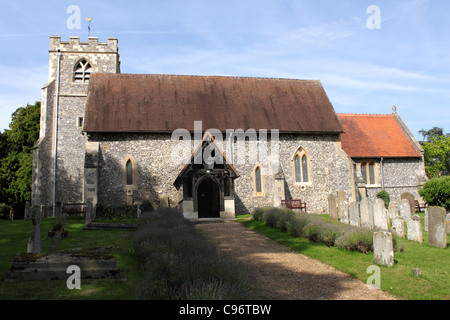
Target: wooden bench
[420, 207]
[294, 204]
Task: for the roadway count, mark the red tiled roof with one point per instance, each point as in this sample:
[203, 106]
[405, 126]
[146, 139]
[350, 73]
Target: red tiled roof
[375, 136]
[163, 103]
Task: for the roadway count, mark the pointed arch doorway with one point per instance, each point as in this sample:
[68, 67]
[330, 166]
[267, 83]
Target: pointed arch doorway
[208, 199]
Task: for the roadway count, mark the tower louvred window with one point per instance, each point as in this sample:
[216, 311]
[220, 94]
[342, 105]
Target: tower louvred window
[83, 71]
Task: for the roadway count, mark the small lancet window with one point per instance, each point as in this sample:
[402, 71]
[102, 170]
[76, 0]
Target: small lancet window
[258, 180]
[83, 71]
[301, 167]
[129, 169]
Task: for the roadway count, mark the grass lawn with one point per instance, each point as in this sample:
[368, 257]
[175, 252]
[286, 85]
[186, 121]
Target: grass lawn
[434, 263]
[14, 237]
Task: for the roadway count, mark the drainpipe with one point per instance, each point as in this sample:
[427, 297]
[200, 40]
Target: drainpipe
[55, 145]
[382, 176]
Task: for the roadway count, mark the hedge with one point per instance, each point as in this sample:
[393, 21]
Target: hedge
[316, 229]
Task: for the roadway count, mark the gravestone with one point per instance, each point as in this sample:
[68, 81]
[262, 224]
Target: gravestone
[34, 243]
[393, 210]
[405, 210]
[425, 220]
[366, 208]
[89, 211]
[437, 233]
[398, 227]
[383, 248]
[353, 213]
[448, 223]
[379, 215]
[332, 207]
[27, 213]
[340, 196]
[414, 229]
[412, 206]
[343, 212]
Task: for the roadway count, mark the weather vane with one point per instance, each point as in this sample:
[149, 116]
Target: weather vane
[89, 27]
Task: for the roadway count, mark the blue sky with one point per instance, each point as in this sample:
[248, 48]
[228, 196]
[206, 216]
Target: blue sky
[406, 62]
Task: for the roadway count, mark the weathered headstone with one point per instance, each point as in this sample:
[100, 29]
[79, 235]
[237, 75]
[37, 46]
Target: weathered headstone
[340, 196]
[27, 213]
[393, 210]
[366, 208]
[34, 243]
[437, 233]
[414, 229]
[353, 213]
[398, 227]
[164, 201]
[379, 215]
[448, 223]
[425, 220]
[412, 206]
[383, 248]
[405, 210]
[89, 211]
[343, 212]
[332, 207]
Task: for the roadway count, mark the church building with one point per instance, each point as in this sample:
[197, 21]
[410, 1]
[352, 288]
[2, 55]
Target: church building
[214, 146]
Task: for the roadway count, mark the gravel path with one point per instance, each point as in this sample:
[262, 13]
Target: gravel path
[283, 274]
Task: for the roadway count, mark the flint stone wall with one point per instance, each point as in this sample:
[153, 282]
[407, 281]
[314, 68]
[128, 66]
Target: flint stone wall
[156, 172]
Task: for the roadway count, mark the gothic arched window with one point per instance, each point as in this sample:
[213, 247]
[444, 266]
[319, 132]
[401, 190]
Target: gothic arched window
[83, 70]
[301, 167]
[129, 172]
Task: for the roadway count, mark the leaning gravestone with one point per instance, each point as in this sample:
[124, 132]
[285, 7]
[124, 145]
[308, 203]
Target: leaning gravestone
[405, 209]
[398, 227]
[383, 248]
[379, 215]
[353, 213]
[34, 243]
[437, 235]
[412, 206]
[332, 207]
[366, 208]
[414, 229]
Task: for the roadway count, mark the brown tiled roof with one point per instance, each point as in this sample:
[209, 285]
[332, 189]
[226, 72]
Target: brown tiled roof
[163, 103]
[375, 136]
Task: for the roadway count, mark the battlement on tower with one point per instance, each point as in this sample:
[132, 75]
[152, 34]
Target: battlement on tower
[75, 45]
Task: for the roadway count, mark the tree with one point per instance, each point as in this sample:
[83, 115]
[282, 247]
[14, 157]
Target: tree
[437, 156]
[16, 160]
[428, 135]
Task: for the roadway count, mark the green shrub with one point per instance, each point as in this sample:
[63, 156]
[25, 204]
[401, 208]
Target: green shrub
[383, 195]
[436, 192]
[356, 239]
[180, 264]
[259, 212]
[148, 205]
[4, 211]
[316, 229]
[111, 212]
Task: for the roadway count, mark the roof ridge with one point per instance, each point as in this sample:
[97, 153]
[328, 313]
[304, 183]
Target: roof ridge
[206, 76]
[364, 115]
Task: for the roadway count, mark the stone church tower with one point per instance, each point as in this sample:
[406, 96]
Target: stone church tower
[62, 143]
